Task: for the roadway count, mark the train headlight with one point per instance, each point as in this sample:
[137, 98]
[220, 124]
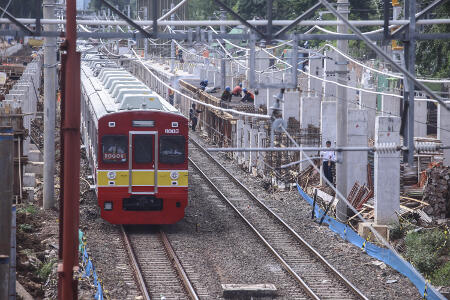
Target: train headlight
[174, 175]
[111, 175]
[108, 206]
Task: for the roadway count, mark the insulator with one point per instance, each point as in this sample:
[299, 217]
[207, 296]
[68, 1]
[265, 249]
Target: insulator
[386, 147]
[426, 146]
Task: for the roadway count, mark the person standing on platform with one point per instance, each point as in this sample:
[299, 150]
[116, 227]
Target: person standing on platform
[193, 115]
[328, 161]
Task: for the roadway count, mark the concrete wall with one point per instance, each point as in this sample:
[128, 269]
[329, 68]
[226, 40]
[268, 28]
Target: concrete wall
[292, 105]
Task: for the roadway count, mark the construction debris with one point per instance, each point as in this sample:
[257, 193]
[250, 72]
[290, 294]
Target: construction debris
[437, 193]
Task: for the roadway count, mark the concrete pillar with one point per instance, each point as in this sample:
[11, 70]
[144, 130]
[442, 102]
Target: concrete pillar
[328, 122]
[420, 118]
[357, 136]
[239, 127]
[369, 103]
[387, 171]
[291, 107]
[253, 144]
[352, 95]
[6, 195]
[246, 141]
[444, 131]
[261, 155]
[315, 68]
[309, 116]
[330, 74]
[390, 106]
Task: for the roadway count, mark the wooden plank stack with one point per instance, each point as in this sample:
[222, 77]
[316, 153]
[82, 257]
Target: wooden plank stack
[437, 192]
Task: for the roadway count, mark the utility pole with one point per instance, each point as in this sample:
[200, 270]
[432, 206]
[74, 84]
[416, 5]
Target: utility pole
[172, 44]
[49, 107]
[6, 195]
[145, 39]
[341, 115]
[222, 61]
[410, 62]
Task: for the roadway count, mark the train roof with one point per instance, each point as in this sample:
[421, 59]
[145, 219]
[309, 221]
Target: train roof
[113, 89]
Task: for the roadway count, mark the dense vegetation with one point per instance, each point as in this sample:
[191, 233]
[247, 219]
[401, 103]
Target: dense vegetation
[433, 57]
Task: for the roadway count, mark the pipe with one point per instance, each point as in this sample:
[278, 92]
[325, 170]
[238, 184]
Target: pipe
[359, 23]
[71, 157]
[6, 196]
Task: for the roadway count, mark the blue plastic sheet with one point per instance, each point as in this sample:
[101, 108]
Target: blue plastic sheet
[383, 254]
[89, 269]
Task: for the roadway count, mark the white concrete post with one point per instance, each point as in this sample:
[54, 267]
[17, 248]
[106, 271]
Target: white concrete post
[328, 124]
[369, 103]
[420, 118]
[387, 171]
[357, 136]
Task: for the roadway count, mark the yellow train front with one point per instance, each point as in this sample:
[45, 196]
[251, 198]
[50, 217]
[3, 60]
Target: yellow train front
[137, 146]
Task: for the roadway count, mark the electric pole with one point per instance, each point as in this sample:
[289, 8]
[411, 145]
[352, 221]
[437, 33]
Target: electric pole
[172, 43]
[222, 61]
[49, 107]
[341, 115]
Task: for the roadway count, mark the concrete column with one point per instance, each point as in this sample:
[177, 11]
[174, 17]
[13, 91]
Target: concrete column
[387, 171]
[357, 136]
[369, 103]
[253, 143]
[444, 132]
[328, 122]
[420, 118]
[352, 95]
[6, 195]
[49, 108]
[315, 68]
[309, 116]
[291, 105]
[239, 127]
[330, 74]
[246, 141]
[390, 106]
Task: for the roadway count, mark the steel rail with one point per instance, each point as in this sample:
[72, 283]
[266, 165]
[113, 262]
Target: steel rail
[179, 268]
[274, 252]
[352, 288]
[135, 265]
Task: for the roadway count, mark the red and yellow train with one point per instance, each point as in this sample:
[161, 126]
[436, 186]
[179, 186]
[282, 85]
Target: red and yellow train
[137, 146]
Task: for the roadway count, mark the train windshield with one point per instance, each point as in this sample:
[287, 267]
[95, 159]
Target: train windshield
[172, 149]
[114, 148]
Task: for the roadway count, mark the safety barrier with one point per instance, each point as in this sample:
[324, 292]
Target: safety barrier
[87, 269]
[383, 254]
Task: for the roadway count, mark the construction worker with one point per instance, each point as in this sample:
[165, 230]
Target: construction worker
[237, 91]
[203, 84]
[248, 97]
[193, 115]
[171, 95]
[226, 97]
[328, 160]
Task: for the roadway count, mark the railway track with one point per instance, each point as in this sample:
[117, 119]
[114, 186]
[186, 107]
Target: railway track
[158, 273]
[318, 278]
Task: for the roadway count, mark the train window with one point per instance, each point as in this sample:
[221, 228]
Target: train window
[172, 149]
[114, 148]
[143, 148]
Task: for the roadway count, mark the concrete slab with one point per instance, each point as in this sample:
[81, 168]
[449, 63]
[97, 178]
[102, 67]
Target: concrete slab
[34, 155]
[365, 232]
[248, 290]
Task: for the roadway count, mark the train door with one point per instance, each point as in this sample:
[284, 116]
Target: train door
[143, 162]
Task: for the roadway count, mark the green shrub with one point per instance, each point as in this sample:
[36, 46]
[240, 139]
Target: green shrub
[442, 275]
[46, 269]
[423, 249]
[25, 227]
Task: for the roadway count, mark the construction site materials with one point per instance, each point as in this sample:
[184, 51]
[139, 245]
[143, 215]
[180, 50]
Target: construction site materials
[437, 193]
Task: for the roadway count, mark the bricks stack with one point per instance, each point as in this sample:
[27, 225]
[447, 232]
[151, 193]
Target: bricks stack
[437, 192]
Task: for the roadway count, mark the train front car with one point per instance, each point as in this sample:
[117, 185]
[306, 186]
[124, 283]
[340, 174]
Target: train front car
[142, 175]
[136, 144]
